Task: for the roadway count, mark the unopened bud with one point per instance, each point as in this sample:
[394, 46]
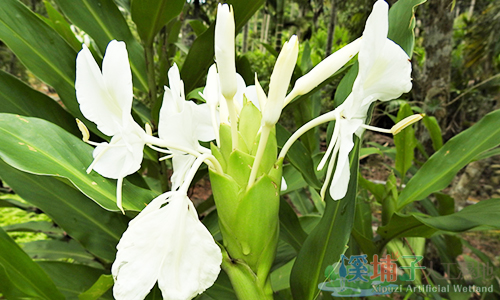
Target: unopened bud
[224, 50]
[280, 79]
[323, 70]
[406, 122]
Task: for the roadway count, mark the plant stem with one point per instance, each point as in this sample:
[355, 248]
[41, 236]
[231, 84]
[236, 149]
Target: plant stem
[149, 51]
[245, 282]
[264, 136]
[233, 118]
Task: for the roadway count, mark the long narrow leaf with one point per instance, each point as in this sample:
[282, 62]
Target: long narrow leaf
[18, 98]
[103, 21]
[96, 229]
[26, 140]
[151, 15]
[20, 277]
[327, 241]
[442, 167]
[41, 49]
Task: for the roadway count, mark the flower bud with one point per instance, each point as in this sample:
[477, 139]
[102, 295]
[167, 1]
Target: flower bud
[323, 70]
[280, 79]
[224, 50]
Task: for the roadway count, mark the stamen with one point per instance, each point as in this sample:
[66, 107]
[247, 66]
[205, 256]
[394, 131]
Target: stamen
[84, 130]
[406, 122]
[148, 129]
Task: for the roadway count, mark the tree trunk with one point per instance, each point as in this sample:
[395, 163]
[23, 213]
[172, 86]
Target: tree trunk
[331, 28]
[433, 86]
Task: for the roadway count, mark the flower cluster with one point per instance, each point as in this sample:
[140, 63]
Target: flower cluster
[166, 243]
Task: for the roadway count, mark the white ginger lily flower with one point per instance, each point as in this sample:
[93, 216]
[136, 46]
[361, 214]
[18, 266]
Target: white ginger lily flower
[106, 99]
[384, 74]
[167, 243]
[184, 123]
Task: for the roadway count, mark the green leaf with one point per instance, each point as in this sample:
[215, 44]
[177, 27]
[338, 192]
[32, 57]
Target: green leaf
[327, 241]
[103, 21]
[290, 229]
[57, 250]
[41, 49]
[201, 54]
[222, 288]
[484, 213]
[151, 15]
[20, 277]
[405, 142]
[18, 98]
[58, 153]
[45, 227]
[58, 22]
[72, 279]
[402, 24]
[486, 154]
[299, 157]
[96, 229]
[432, 126]
[442, 167]
[101, 286]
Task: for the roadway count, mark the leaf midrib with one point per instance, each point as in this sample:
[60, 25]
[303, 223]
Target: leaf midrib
[414, 195]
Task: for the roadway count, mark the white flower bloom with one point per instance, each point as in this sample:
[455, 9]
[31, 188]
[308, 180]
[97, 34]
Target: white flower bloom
[183, 123]
[106, 99]
[384, 74]
[167, 243]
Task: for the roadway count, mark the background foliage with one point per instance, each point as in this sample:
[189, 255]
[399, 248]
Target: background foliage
[411, 190]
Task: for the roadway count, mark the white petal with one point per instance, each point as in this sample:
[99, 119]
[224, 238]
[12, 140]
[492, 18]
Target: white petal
[211, 90]
[122, 157]
[202, 121]
[117, 75]
[374, 35]
[340, 181]
[141, 250]
[238, 97]
[181, 164]
[390, 75]
[96, 103]
[178, 127]
[169, 244]
[176, 84]
[194, 259]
